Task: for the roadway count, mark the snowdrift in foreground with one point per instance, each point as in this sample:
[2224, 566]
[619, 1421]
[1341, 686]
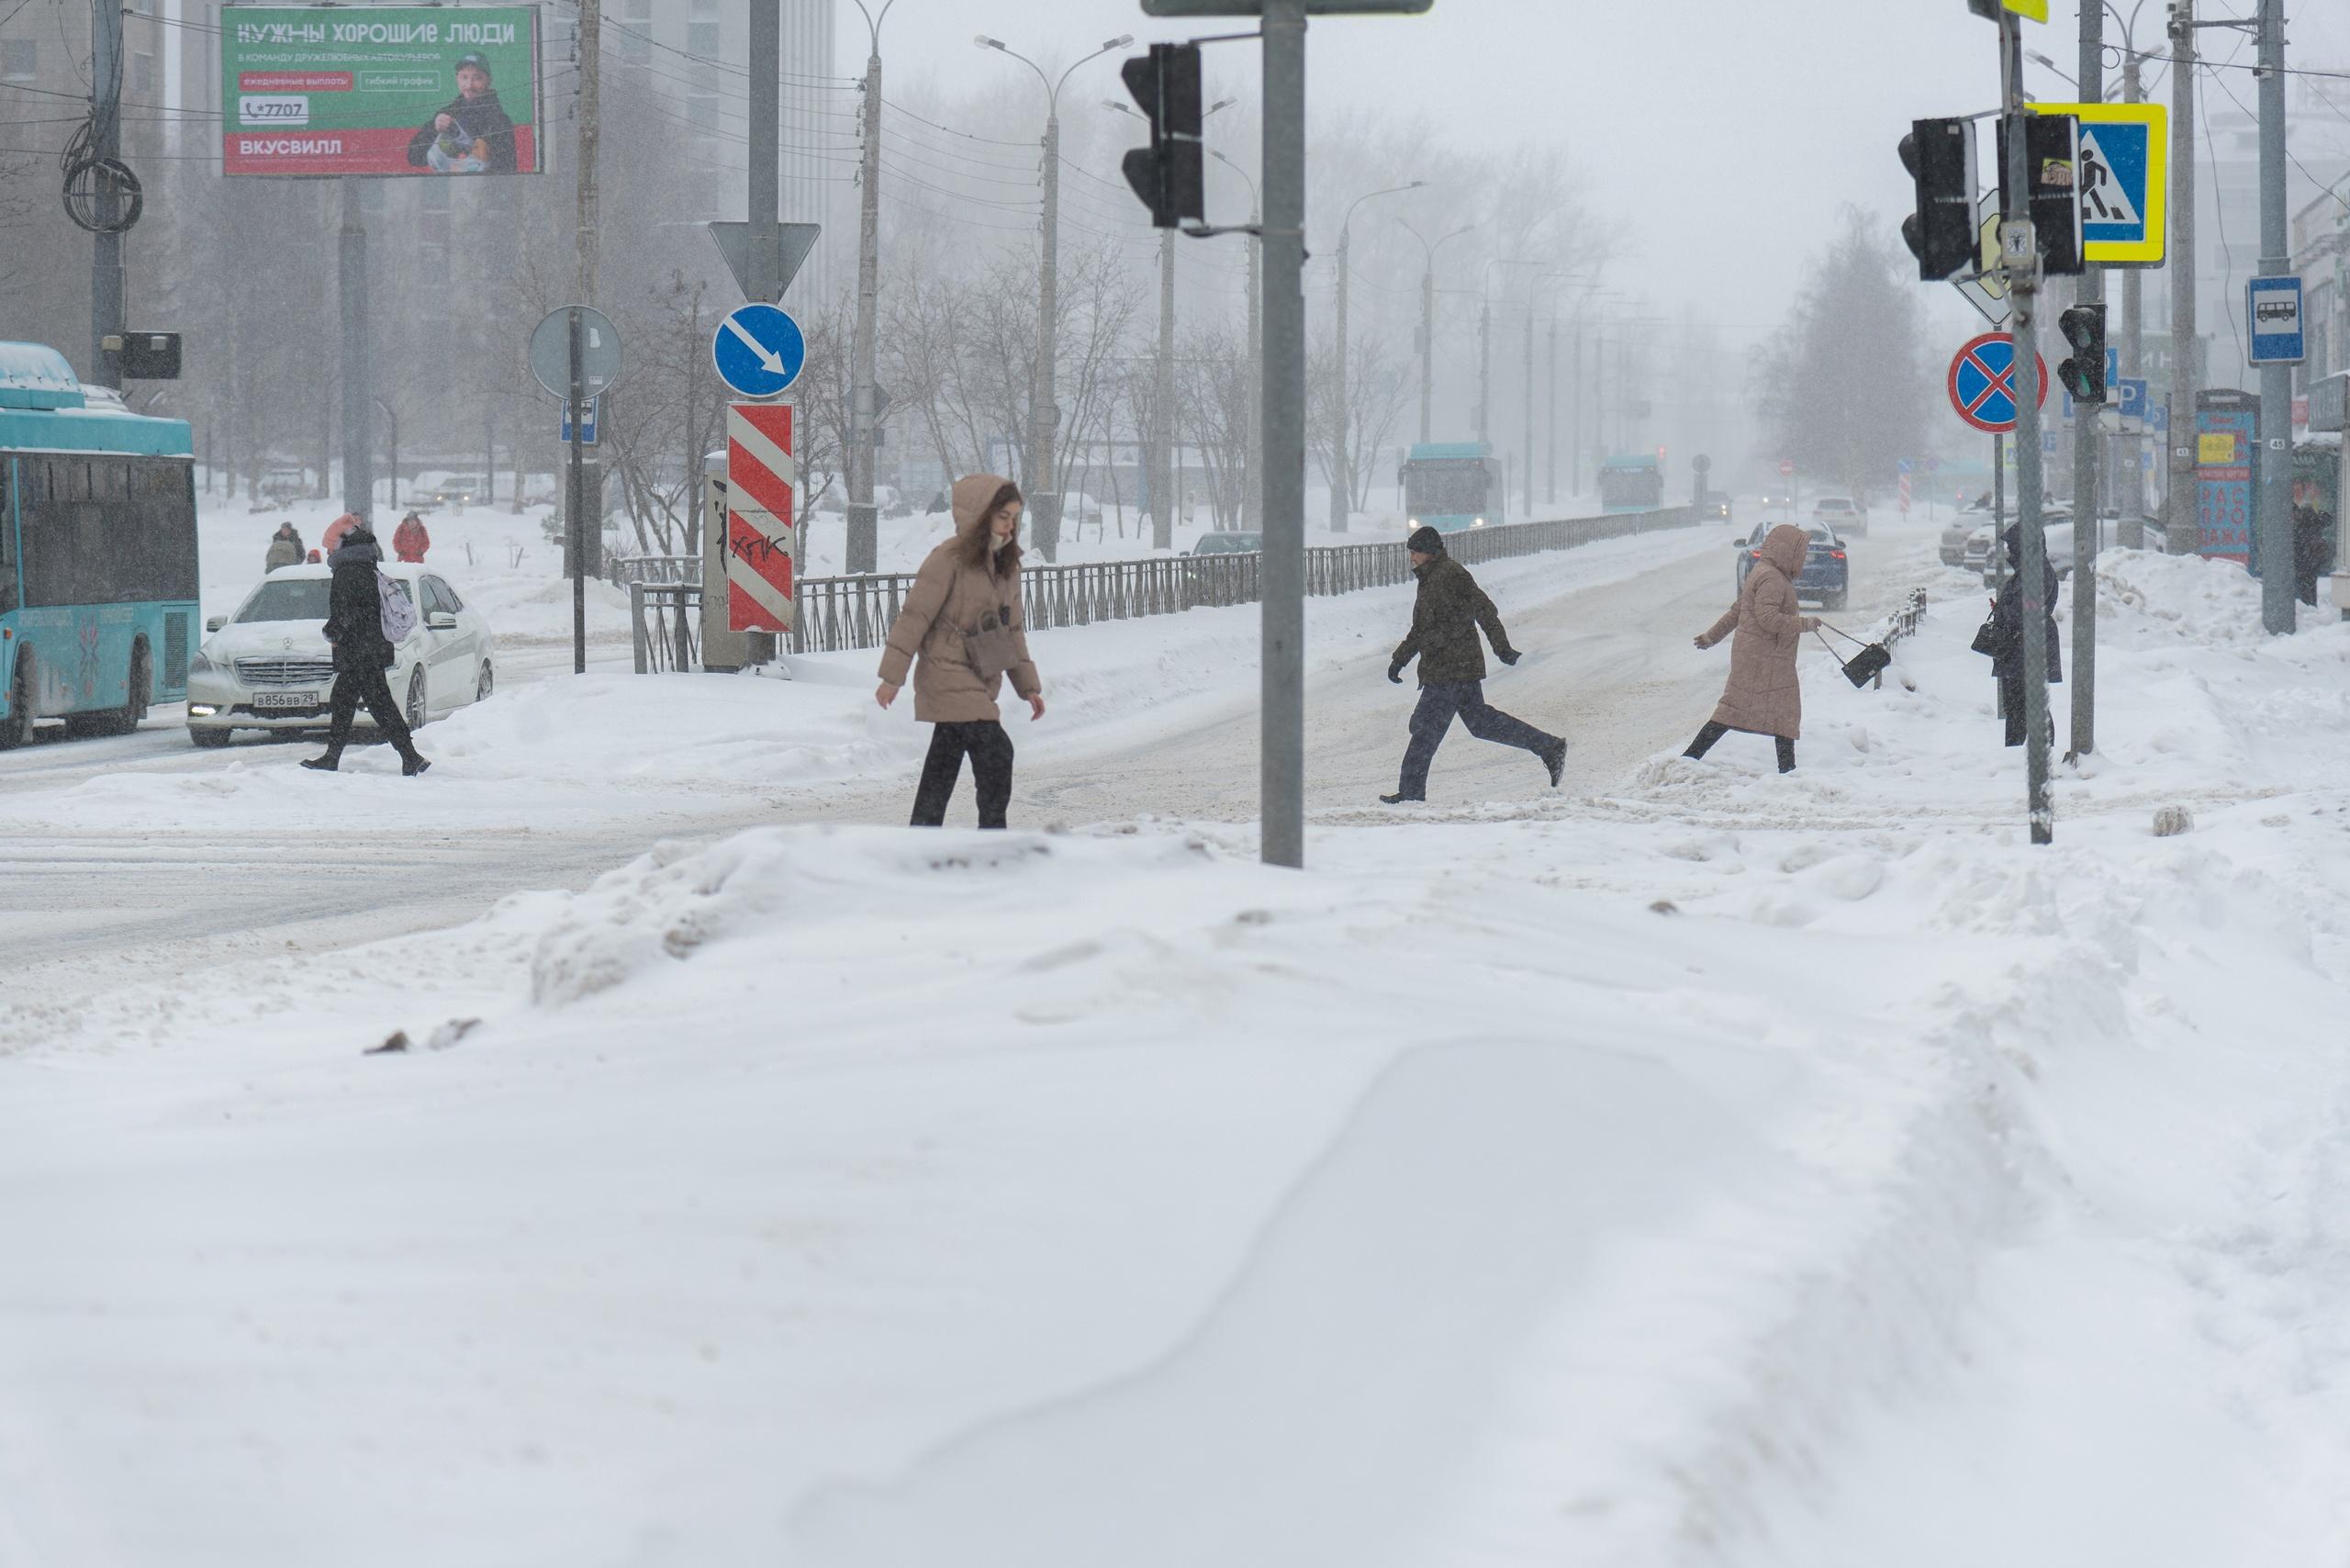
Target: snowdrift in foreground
[1820, 1181]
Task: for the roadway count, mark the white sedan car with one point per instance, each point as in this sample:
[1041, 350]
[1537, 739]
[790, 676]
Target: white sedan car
[269, 667]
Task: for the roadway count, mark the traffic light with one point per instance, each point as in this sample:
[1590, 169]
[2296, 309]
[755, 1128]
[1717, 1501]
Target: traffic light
[2052, 165]
[2083, 375]
[1169, 174]
[1939, 156]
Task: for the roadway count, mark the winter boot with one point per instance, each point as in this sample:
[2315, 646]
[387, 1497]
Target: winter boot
[413, 763]
[323, 763]
[1555, 759]
[1403, 799]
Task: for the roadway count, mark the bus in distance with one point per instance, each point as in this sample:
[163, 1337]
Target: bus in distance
[97, 552]
[1452, 484]
[1631, 483]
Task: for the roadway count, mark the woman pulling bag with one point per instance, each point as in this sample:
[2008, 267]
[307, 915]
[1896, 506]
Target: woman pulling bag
[962, 632]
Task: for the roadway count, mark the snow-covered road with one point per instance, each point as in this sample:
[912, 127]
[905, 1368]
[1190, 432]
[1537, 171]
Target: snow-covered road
[137, 853]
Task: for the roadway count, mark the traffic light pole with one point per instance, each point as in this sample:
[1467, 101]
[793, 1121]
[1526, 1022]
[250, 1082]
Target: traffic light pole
[1281, 777]
[2087, 468]
[2019, 253]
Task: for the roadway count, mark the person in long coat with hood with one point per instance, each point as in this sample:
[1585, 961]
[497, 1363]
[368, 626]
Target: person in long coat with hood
[962, 632]
[1763, 695]
[2007, 633]
[361, 653]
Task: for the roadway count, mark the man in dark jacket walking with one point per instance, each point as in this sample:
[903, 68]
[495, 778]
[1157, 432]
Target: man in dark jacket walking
[362, 653]
[1445, 619]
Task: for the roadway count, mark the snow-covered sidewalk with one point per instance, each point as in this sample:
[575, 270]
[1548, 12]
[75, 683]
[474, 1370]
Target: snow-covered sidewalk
[1728, 1169]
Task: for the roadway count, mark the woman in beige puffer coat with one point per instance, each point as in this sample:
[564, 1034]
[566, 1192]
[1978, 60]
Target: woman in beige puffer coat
[969, 584]
[1763, 695]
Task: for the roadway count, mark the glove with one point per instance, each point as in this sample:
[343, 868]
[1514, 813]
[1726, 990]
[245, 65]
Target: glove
[1508, 656]
[1395, 674]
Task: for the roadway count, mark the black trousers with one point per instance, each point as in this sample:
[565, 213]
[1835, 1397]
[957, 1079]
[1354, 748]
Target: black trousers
[990, 753]
[353, 687]
[1439, 701]
[1715, 729]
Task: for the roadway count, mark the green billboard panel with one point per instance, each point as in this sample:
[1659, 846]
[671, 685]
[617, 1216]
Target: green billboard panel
[312, 90]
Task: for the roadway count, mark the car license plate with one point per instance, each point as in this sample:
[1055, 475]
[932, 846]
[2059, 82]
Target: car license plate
[285, 700]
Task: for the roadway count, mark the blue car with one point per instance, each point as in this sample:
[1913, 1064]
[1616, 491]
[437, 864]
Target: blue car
[1827, 577]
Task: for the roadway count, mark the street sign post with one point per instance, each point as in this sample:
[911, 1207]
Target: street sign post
[2124, 180]
[2273, 307]
[1982, 381]
[762, 478]
[575, 354]
[759, 351]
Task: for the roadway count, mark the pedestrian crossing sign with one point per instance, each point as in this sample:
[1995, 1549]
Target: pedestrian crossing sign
[2124, 177]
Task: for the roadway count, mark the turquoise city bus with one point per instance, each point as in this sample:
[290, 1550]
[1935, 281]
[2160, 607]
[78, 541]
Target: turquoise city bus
[1631, 483]
[1452, 484]
[97, 552]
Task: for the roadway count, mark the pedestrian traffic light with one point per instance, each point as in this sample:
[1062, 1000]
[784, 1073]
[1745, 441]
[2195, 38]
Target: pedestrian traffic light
[1939, 156]
[2051, 167]
[2083, 375]
[1169, 174]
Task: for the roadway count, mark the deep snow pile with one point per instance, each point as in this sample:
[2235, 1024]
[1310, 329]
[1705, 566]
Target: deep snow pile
[1733, 1169]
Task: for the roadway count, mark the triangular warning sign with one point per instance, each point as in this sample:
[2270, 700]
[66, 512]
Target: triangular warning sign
[2104, 198]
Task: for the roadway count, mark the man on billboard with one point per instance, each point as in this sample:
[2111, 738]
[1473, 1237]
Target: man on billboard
[472, 134]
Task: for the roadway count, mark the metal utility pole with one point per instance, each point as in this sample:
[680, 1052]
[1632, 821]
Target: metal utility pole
[2178, 510]
[2087, 443]
[1044, 413]
[106, 144]
[764, 282]
[864, 527]
[1484, 369]
[589, 536]
[1253, 488]
[2133, 337]
[1282, 779]
[1162, 404]
[2023, 288]
[1551, 482]
[575, 509]
[358, 402]
[1528, 449]
[1342, 478]
[2273, 495]
[1427, 312]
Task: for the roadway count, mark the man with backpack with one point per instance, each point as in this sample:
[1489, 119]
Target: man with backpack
[1445, 619]
[359, 606]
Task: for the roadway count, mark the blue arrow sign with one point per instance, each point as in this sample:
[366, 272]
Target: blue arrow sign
[758, 351]
[2273, 305]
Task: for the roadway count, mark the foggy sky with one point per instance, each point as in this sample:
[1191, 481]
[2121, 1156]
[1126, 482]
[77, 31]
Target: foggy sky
[1722, 135]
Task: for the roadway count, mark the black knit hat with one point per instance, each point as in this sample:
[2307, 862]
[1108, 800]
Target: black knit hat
[1426, 541]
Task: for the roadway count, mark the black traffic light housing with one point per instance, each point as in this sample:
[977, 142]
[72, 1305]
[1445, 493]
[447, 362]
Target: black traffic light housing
[2083, 375]
[2052, 168]
[1169, 174]
[1939, 156]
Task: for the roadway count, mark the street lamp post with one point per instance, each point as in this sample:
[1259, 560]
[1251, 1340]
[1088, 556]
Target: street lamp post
[1253, 505]
[1486, 343]
[1427, 313]
[864, 525]
[1044, 412]
[1342, 469]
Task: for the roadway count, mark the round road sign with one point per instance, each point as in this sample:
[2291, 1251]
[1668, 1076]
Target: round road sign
[599, 350]
[1982, 381]
[1787, 468]
[759, 349]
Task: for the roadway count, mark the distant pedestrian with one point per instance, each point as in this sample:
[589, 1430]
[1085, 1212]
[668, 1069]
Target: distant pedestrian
[2007, 635]
[1763, 695]
[361, 653]
[962, 630]
[409, 542]
[284, 548]
[1446, 614]
[2313, 551]
[336, 529]
[937, 505]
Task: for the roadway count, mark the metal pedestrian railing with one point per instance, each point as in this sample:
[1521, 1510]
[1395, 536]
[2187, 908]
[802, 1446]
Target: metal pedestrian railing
[840, 613]
[664, 620]
[625, 569]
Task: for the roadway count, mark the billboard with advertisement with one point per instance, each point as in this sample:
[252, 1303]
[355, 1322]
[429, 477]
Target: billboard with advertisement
[331, 90]
[2227, 456]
